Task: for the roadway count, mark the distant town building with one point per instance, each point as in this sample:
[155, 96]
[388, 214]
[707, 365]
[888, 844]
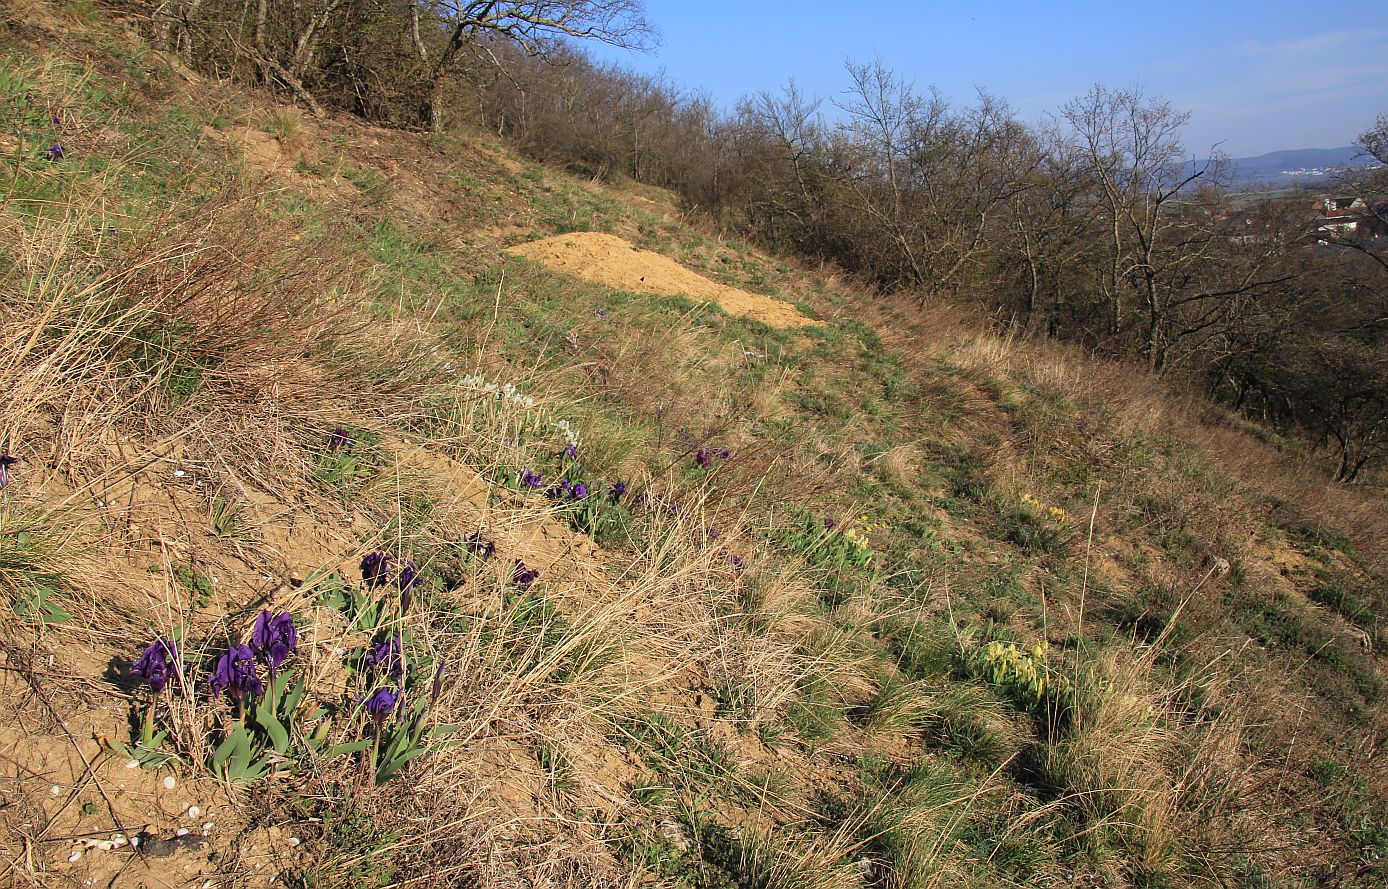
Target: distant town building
[1343, 217]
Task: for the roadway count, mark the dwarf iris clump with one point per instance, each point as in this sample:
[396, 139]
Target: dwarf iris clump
[376, 570]
[388, 681]
[274, 638]
[261, 739]
[386, 657]
[705, 456]
[381, 704]
[531, 479]
[234, 672]
[523, 575]
[479, 546]
[158, 666]
[346, 460]
[366, 606]
[560, 490]
[397, 744]
[259, 712]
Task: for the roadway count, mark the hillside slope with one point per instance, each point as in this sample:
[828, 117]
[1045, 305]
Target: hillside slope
[599, 587]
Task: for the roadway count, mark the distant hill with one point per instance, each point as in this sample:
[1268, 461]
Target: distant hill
[1311, 167]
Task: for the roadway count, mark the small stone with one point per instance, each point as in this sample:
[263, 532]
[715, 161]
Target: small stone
[132, 764]
[170, 782]
[194, 811]
[76, 854]
[182, 832]
[179, 473]
[206, 828]
[118, 840]
[294, 841]
[55, 790]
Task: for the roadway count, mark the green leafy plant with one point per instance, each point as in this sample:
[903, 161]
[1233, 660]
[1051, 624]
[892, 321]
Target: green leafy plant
[27, 573]
[241, 758]
[34, 602]
[1034, 527]
[146, 749]
[406, 740]
[845, 547]
[363, 608]
[230, 521]
[1023, 673]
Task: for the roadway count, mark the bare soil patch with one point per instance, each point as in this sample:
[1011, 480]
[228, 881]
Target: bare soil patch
[608, 259]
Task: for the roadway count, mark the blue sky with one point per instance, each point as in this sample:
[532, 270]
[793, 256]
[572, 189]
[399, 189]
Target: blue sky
[1255, 77]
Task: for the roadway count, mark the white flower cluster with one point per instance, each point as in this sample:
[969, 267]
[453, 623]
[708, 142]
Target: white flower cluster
[508, 391]
[566, 430]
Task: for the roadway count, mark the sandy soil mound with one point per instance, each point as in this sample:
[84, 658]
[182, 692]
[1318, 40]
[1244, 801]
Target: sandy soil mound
[610, 260]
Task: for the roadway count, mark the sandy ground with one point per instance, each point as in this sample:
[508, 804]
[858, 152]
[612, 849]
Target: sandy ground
[607, 259]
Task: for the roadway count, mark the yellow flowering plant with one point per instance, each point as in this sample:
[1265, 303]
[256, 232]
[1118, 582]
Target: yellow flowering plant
[1023, 672]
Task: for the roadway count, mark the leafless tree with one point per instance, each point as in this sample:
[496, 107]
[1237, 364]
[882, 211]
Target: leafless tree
[534, 26]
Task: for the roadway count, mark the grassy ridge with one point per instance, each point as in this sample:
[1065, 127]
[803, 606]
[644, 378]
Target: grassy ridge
[1081, 630]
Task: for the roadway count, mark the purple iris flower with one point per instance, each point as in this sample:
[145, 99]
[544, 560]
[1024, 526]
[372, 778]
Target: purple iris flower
[6, 461]
[56, 151]
[570, 451]
[235, 672]
[436, 687]
[713, 534]
[479, 546]
[382, 703]
[735, 560]
[339, 439]
[705, 456]
[523, 575]
[409, 579]
[274, 637]
[830, 524]
[531, 479]
[561, 490]
[618, 490]
[386, 657]
[158, 665]
[56, 121]
[579, 491]
[602, 313]
[376, 570]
